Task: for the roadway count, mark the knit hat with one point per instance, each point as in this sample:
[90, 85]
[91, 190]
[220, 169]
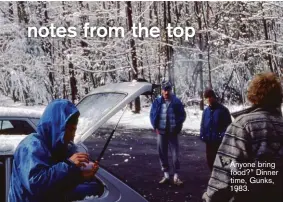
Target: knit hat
[166, 85]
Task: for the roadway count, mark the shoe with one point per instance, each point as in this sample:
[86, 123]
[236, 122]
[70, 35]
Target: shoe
[178, 182]
[164, 180]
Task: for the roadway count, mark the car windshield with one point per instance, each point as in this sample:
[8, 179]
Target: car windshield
[95, 106]
[35, 121]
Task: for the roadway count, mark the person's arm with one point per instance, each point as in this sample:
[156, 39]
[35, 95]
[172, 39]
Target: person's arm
[234, 148]
[202, 124]
[180, 116]
[153, 113]
[40, 177]
[180, 113]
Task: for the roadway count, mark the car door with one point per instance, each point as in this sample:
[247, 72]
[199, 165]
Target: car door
[12, 131]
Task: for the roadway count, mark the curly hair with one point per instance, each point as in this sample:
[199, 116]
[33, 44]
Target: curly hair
[265, 90]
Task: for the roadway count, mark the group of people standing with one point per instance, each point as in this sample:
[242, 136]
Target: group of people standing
[254, 137]
[46, 169]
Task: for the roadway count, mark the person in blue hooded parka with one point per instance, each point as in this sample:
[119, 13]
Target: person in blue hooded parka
[43, 168]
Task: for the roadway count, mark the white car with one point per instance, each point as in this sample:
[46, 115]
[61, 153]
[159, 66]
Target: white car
[95, 109]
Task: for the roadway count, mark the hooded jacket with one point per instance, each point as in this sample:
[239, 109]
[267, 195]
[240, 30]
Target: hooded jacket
[41, 169]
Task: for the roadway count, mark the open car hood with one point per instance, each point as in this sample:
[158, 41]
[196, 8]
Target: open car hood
[104, 102]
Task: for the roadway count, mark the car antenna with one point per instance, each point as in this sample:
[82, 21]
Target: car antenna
[110, 137]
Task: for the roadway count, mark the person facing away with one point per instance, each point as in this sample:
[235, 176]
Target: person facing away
[253, 141]
[167, 115]
[215, 120]
[43, 169]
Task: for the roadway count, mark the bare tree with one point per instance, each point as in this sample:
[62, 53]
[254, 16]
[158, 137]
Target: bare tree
[133, 54]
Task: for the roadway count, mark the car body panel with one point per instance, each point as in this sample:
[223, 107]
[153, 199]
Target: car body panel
[131, 90]
[114, 189]
[21, 112]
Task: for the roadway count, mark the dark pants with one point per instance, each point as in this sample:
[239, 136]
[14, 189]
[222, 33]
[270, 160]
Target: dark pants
[163, 142]
[83, 190]
[211, 151]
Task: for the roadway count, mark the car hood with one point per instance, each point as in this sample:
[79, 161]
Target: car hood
[103, 103]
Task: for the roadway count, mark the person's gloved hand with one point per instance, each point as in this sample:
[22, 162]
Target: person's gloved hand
[79, 159]
[90, 170]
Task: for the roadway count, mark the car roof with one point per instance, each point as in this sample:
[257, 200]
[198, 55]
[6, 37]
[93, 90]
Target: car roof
[21, 112]
[123, 87]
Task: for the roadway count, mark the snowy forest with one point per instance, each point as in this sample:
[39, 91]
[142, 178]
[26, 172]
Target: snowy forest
[233, 41]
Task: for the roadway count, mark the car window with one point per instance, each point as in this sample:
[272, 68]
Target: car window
[15, 127]
[6, 125]
[34, 121]
[95, 106]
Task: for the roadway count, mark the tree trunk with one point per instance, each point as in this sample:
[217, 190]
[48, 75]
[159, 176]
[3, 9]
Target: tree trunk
[84, 45]
[11, 12]
[170, 49]
[133, 53]
[22, 14]
[155, 11]
[200, 63]
[266, 38]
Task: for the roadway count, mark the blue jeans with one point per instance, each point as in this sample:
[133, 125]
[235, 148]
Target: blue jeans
[163, 141]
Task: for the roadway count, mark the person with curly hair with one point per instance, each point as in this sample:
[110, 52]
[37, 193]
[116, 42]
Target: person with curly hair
[252, 145]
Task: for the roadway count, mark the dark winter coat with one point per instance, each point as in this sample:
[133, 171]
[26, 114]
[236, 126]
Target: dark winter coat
[41, 171]
[178, 110]
[215, 120]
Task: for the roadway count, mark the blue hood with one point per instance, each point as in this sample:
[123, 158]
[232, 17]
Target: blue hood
[52, 128]
[41, 170]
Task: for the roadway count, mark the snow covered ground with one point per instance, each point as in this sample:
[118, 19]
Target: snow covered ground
[131, 120]
[141, 121]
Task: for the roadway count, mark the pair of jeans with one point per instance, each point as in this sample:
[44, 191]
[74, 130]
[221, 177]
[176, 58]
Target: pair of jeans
[165, 141]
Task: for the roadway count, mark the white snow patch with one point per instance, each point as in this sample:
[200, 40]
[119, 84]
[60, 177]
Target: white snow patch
[87, 198]
[142, 120]
[9, 143]
[121, 154]
[23, 111]
[129, 120]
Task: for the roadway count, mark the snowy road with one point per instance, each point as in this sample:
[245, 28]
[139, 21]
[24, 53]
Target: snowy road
[132, 157]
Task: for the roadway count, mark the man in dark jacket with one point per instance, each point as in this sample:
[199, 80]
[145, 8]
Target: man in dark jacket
[215, 119]
[167, 116]
[43, 169]
[252, 149]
